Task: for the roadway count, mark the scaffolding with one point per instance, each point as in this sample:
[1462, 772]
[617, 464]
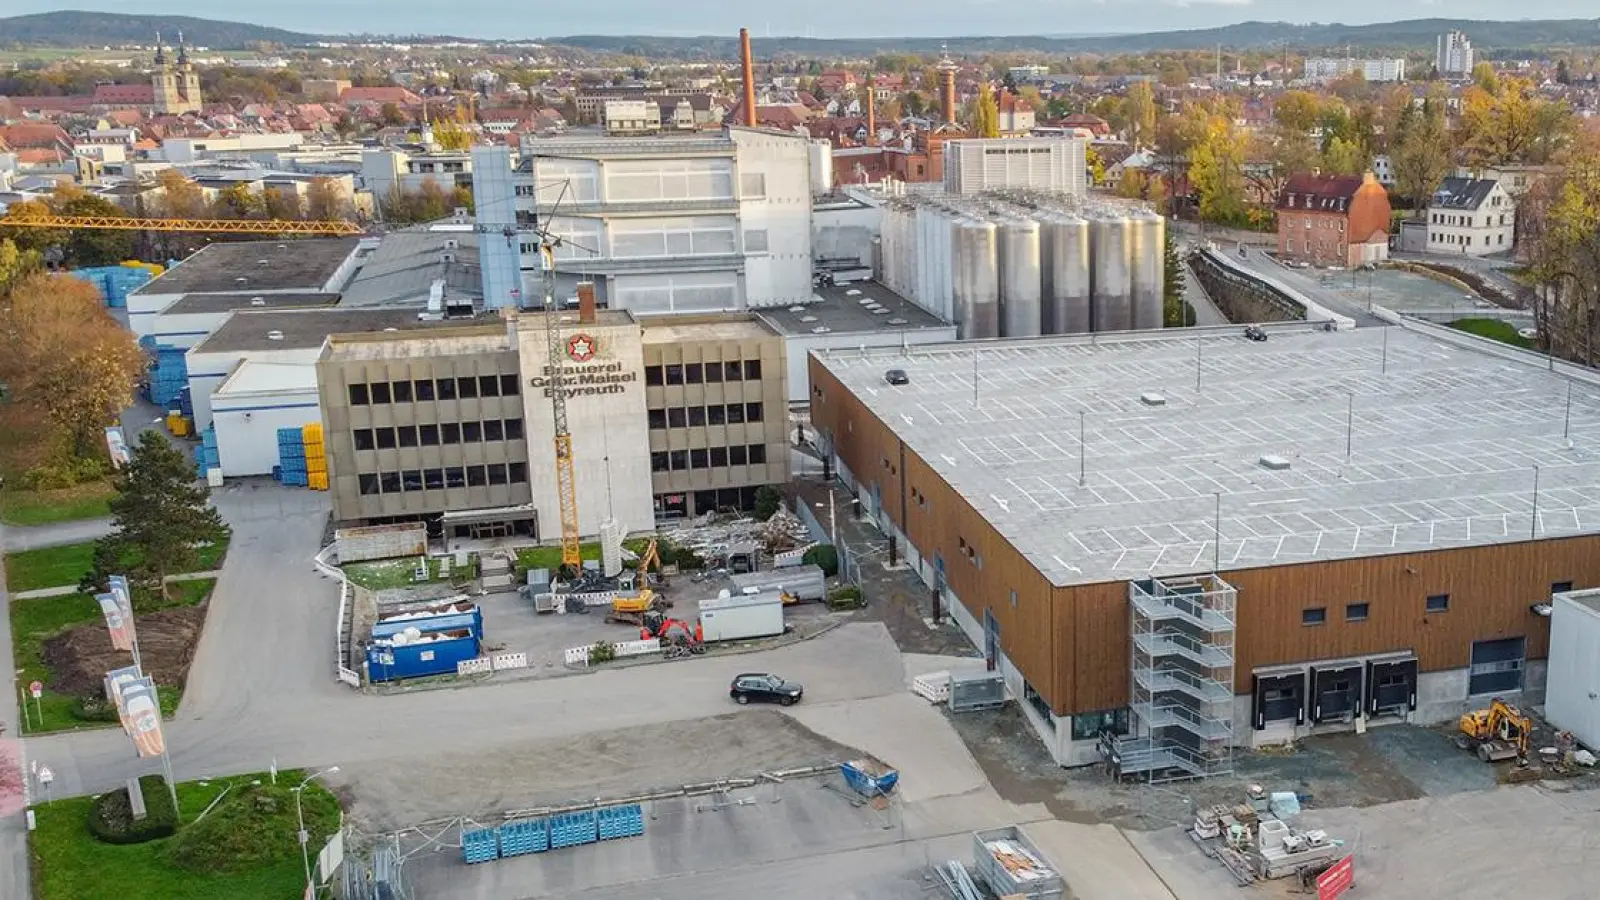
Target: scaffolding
[1181, 717]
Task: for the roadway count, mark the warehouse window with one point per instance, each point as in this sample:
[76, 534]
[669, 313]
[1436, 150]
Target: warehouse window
[455, 477]
[488, 385]
[380, 392]
[737, 456]
[518, 473]
[1438, 603]
[758, 454]
[1356, 612]
[402, 391]
[1089, 726]
[1314, 615]
[698, 459]
[493, 430]
[752, 370]
[428, 435]
[1560, 587]
[732, 371]
[411, 480]
[508, 385]
[390, 482]
[513, 429]
[449, 433]
[652, 376]
[358, 395]
[697, 416]
[369, 484]
[713, 373]
[1037, 702]
[657, 418]
[679, 460]
[407, 435]
[424, 389]
[433, 479]
[467, 388]
[471, 432]
[752, 412]
[719, 457]
[693, 373]
[362, 438]
[674, 374]
[476, 476]
[677, 416]
[735, 414]
[1496, 666]
[447, 388]
[497, 473]
[658, 461]
[717, 415]
[385, 438]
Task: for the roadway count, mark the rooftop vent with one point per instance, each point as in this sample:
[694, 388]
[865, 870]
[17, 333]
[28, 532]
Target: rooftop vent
[240, 280]
[258, 301]
[808, 318]
[821, 329]
[796, 309]
[1275, 463]
[391, 329]
[852, 293]
[263, 262]
[898, 321]
[1151, 398]
[274, 335]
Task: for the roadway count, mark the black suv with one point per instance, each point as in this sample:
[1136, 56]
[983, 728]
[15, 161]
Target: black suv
[896, 376]
[758, 687]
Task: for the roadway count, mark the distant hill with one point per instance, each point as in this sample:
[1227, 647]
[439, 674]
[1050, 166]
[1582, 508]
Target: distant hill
[75, 28]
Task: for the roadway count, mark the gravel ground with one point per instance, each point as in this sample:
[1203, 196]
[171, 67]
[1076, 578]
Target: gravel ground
[390, 794]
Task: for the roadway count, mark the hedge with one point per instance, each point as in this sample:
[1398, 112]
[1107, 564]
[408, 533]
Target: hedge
[111, 818]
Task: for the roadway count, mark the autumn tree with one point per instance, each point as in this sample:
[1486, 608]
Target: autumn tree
[1216, 172]
[1513, 124]
[326, 201]
[985, 114]
[1176, 312]
[450, 134]
[1344, 157]
[160, 517]
[390, 114]
[239, 202]
[1562, 238]
[1139, 114]
[1095, 166]
[181, 198]
[67, 359]
[1421, 158]
[281, 204]
[16, 264]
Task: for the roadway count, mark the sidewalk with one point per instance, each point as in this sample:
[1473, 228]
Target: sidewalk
[67, 589]
[895, 597]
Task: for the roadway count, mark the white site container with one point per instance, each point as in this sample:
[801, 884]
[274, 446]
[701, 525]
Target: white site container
[1572, 689]
[741, 616]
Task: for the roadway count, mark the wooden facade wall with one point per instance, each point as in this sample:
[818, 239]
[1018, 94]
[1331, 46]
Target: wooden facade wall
[1071, 643]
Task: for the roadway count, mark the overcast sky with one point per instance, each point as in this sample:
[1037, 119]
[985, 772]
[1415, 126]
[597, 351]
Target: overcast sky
[502, 19]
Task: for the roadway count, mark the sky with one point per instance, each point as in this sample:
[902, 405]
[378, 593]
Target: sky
[501, 19]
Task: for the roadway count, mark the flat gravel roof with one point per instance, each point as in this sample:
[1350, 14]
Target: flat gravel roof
[1443, 438]
[291, 265]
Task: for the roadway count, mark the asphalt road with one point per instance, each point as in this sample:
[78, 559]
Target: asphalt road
[1260, 263]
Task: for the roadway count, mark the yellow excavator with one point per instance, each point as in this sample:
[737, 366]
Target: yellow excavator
[634, 609]
[1498, 733]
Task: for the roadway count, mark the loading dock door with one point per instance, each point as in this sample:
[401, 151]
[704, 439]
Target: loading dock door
[1336, 692]
[1279, 698]
[1391, 686]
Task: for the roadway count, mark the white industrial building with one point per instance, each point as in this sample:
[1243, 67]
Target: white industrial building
[1329, 68]
[1471, 216]
[1572, 686]
[672, 224]
[1454, 58]
[975, 165]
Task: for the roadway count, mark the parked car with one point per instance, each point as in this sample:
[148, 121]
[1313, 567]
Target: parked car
[759, 687]
[1255, 333]
[896, 376]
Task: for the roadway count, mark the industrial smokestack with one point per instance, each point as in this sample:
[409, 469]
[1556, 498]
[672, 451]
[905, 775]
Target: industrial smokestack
[585, 303]
[872, 117]
[947, 92]
[748, 65]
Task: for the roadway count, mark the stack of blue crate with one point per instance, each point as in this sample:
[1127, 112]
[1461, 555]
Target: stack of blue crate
[524, 836]
[186, 403]
[291, 458]
[621, 822]
[169, 374]
[207, 456]
[480, 846]
[573, 829]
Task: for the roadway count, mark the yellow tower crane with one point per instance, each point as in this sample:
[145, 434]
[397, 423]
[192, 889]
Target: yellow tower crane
[566, 483]
[198, 226]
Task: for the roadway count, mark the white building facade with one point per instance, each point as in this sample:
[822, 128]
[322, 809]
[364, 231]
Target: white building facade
[1454, 57]
[975, 165]
[1327, 68]
[1474, 217]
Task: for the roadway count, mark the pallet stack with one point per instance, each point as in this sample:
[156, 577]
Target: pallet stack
[207, 458]
[316, 457]
[291, 470]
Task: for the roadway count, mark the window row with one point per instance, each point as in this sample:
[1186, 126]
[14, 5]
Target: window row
[436, 435]
[703, 373]
[464, 388]
[708, 458]
[696, 416]
[1358, 612]
[411, 481]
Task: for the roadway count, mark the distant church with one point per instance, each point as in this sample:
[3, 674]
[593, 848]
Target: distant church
[177, 90]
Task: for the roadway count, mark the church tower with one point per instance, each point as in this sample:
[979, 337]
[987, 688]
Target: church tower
[165, 82]
[191, 78]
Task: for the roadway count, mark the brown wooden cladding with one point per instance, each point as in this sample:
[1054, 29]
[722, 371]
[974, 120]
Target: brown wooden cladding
[1071, 643]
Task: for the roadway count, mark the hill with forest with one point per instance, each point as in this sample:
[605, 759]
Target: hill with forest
[77, 28]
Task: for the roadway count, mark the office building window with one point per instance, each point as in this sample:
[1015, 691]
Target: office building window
[362, 438]
[447, 388]
[455, 477]
[424, 390]
[467, 388]
[713, 373]
[450, 433]
[679, 460]
[737, 456]
[657, 418]
[652, 376]
[677, 417]
[433, 479]
[407, 435]
[477, 476]
[758, 454]
[493, 430]
[719, 457]
[717, 415]
[402, 391]
[518, 473]
[752, 370]
[698, 459]
[380, 392]
[693, 373]
[674, 374]
[488, 385]
[1315, 615]
[513, 429]
[735, 414]
[411, 480]
[497, 473]
[732, 371]
[697, 416]
[385, 438]
[358, 395]
[658, 461]
[508, 386]
[390, 482]
[471, 432]
[369, 484]
[1356, 612]
[752, 412]
[428, 435]
[1437, 603]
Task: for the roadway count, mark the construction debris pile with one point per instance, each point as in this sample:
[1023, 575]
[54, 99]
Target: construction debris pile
[1258, 839]
[740, 544]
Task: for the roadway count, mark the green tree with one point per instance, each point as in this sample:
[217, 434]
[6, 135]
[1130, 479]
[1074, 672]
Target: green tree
[1344, 157]
[913, 104]
[1484, 78]
[390, 114]
[159, 518]
[16, 264]
[1216, 171]
[1139, 114]
[768, 502]
[1095, 166]
[239, 202]
[985, 114]
[91, 246]
[281, 204]
[451, 135]
[1175, 312]
[1422, 158]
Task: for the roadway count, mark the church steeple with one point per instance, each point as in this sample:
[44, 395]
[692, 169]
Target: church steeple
[161, 52]
[183, 51]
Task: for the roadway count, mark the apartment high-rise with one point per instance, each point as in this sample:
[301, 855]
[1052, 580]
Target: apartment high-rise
[1454, 59]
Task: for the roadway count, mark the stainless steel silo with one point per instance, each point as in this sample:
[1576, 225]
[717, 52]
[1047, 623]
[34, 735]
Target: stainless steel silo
[978, 287]
[1019, 278]
[1064, 246]
[1112, 280]
[1148, 257]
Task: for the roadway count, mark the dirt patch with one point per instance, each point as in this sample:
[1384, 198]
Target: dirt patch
[79, 658]
[605, 764]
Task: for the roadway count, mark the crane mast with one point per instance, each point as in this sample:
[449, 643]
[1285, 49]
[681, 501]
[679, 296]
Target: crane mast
[566, 485]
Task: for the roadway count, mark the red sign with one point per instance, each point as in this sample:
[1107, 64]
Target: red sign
[581, 348]
[36, 689]
[1340, 877]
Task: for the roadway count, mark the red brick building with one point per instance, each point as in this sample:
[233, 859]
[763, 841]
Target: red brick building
[1333, 220]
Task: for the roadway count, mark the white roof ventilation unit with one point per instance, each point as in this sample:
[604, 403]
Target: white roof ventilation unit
[258, 301]
[1274, 463]
[274, 335]
[1151, 398]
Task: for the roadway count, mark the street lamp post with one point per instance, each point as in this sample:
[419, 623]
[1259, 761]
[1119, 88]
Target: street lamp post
[300, 817]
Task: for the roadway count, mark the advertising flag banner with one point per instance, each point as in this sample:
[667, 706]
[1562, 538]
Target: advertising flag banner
[141, 708]
[119, 626]
[116, 680]
[117, 447]
[119, 587]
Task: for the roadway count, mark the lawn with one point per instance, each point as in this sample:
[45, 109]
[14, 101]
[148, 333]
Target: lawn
[65, 566]
[85, 501]
[70, 864]
[550, 557]
[35, 621]
[377, 575]
[1494, 329]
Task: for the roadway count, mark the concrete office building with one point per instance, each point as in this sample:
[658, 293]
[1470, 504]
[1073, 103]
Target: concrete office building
[1326, 68]
[673, 224]
[1454, 58]
[1336, 529]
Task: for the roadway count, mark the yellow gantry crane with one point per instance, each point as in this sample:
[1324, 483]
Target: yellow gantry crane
[204, 226]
